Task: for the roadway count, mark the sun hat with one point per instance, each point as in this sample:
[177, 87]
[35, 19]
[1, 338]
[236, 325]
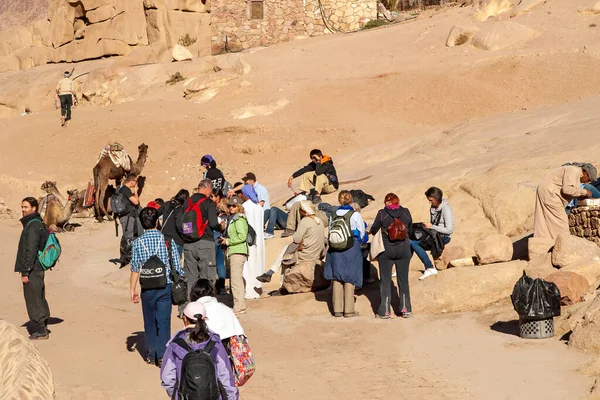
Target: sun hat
[234, 201]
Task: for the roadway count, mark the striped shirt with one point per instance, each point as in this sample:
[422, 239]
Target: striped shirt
[152, 242]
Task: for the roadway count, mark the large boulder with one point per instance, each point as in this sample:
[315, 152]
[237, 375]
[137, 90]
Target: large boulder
[24, 374]
[460, 35]
[493, 249]
[180, 53]
[451, 252]
[570, 250]
[589, 268]
[305, 276]
[572, 286]
[466, 289]
[539, 246]
[540, 267]
[495, 35]
[586, 330]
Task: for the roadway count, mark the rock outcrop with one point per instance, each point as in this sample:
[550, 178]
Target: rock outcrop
[572, 286]
[586, 330]
[180, 53]
[493, 249]
[497, 35]
[451, 252]
[569, 250]
[305, 277]
[540, 267]
[24, 375]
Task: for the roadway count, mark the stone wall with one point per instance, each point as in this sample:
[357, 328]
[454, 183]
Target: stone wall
[585, 222]
[24, 374]
[284, 20]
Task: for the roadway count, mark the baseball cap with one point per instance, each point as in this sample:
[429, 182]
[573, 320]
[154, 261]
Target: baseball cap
[193, 309]
[234, 200]
[206, 159]
[153, 204]
[249, 176]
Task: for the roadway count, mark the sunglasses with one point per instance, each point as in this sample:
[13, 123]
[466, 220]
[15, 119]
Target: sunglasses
[232, 205]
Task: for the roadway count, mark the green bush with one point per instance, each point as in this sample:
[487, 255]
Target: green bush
[374, 23]
[186, 40]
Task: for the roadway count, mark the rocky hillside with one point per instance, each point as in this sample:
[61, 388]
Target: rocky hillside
[14, 13]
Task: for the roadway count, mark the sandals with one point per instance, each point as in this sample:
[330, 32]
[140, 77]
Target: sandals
[240, 312]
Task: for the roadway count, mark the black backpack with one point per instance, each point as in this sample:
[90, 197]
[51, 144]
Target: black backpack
[153, 274]
[361, 198]
[118, 204]
[198, 377]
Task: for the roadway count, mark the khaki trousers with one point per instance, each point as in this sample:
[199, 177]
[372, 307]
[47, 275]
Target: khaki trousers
[294, 217]
[319, 182]
[343, 297]
[236, 270]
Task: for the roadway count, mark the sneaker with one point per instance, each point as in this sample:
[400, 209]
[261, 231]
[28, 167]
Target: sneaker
[149, 361]
[428, 272]
[394, 274]
[269, 236]
[39, 336]
[406, 314]
[287, 233]
[385, 316]
[159, 363]
[264, 278]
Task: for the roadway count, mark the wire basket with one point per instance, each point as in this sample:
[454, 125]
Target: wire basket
[540, 329]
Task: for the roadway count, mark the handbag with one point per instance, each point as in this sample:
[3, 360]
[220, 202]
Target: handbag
[179, 291]
[242, 360]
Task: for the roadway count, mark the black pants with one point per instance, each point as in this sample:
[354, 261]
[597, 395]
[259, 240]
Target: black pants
[35, 300]
[66, 101]
[400, 256]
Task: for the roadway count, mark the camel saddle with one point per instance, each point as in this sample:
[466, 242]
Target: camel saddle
[88, 197]
[117, 154]
[44, 204]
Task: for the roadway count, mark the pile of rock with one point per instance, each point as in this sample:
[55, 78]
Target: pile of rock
[585, 223]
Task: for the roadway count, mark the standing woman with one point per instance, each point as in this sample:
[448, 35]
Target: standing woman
[212, 172]
[396, 252]
[237, 252]
[172, 213]
[344, 267]
[222, 212]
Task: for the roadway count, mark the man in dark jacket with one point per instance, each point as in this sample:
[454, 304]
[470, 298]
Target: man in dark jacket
[129, 221]
[318, 177]
[200, 255]
[33, 239]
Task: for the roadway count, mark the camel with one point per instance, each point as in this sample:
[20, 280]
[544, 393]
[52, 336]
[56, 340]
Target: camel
[50, 188]
[105, 170]
[89, 212]
[57, 216]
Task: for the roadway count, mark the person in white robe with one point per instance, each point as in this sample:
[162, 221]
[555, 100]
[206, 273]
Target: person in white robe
[255, 266]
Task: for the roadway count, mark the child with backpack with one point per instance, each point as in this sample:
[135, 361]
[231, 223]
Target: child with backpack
[195, 365]
[344, 263]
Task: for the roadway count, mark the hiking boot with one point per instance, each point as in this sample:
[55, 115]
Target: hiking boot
[264, 278]
[62, 121]
[287, 233]
[269, 235]
[40, 336]
[428, 272]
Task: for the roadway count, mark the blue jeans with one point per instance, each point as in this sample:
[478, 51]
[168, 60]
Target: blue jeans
[275, 217]
[415, 246]
[220, 257]
[156, 308]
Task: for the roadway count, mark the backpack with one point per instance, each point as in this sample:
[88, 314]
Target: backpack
[193, 226]
[198, 377]
[153, 274]
[251, 238]
[118, 204]
[242, 360]
[397, 230]
[48, 257]
[340, 234]
[361, 198]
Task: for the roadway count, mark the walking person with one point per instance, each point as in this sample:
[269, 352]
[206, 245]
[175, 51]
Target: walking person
[194, 337]
[237, 251]
[129, 219]
[441, 221]
[65, 91]
[172, 218]
[344, 266]
[156, 302]
[33, 239]
[199, 248]
[397, 252]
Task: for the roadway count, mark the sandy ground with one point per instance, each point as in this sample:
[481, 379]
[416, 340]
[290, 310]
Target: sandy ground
[94, 354]
[397, 110]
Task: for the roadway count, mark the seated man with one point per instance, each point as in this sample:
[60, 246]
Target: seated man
[295, 216]
[308, 243]
[318, 177]
[275, 219]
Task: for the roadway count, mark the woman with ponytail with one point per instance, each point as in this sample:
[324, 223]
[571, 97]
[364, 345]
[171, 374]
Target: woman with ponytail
[197, 336]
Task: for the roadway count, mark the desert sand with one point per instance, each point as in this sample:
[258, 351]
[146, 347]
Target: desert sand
[397, 110]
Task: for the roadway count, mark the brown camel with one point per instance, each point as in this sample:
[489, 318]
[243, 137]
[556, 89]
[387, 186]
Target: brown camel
[57, 216]
[89, 212]
[50, 188]
[105, 170]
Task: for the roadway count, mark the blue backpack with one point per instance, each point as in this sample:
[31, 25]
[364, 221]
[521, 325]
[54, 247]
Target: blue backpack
[48, 257]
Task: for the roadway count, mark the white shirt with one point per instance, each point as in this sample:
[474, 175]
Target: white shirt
[220, 318]
[263, 195]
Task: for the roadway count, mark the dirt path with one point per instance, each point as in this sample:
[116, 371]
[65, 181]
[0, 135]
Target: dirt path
[93, 352]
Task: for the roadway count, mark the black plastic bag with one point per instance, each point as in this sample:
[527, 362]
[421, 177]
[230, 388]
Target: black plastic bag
[535, 299]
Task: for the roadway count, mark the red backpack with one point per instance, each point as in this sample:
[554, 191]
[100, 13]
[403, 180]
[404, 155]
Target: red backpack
[193, 225]
[397, 230]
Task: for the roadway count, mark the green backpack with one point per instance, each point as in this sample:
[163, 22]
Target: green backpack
[48, 257]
